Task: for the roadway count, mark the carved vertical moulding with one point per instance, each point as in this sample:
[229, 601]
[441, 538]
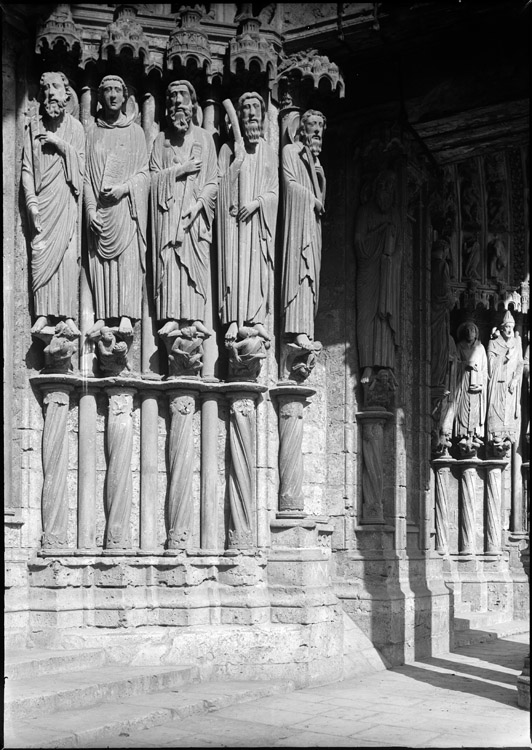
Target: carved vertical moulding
[119, 478]
[55, 467]
[372, 426]
[442, 472]
[181, 455]
[494, 520]
[466, 534]
[242, 471]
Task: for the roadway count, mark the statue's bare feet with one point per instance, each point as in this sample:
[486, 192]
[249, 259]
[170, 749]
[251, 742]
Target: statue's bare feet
[168, 327]
[95, 329]
[202, 329]
[231, 332]
[262, 332]
[366, 375]
[73, 327]
[303, 341]
[39, 324]
[125, 327]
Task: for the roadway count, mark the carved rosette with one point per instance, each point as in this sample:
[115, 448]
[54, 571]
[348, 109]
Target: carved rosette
[55, 467]
[467, 511]
[290, 453]
[442, 509]
[181, 453]
[119, 479]
[242, 471]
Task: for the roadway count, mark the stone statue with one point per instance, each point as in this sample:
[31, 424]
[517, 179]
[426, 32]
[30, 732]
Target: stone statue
[505, 360]
[184, 187]
[498, 259]
[116, 203]
[304, 198]
[112, 347]
[61, 344]
[471, 249]
[378, 249]
[470, 398]
[246, 353]
[441, 303]
[184, 347]
[52, 178]
[246, 220]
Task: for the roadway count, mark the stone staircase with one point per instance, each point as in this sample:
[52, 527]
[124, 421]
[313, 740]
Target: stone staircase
[478, 627]
[76, 698]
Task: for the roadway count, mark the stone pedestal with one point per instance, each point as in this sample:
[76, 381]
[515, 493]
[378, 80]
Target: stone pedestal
[291, 401]
[372, 422]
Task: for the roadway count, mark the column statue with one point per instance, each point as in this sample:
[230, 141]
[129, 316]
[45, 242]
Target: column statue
[116, 203]
[378, 250]
[246, 221]
[184, 187]
[505, 361]
[470, 398]
[52, 178]
[304, 197]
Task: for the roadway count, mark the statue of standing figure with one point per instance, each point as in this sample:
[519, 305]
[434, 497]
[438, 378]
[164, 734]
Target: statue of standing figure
[471, 390]
[378, 250]
[52, 179]
[304, 199]
[246, 221]
[505, 361]
[116, 203]
[183, 170]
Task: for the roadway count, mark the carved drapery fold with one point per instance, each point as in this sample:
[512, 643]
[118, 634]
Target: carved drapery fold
[180, 449]
[119, 478]
[55, 467]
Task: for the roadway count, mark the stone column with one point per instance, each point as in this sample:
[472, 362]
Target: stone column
[87, 470]
[119, 479]
[441, 472]
[149, 416]
[372, 423]
[181, 455]
[466, 543]
[291, 402]
[209, 471]
[55, 467]
[242, 399]
[493, 539]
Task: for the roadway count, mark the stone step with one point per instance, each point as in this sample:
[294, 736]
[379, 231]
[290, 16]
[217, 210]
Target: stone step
[30, 697]
[26, 663]
[469, 636]
[100, 723]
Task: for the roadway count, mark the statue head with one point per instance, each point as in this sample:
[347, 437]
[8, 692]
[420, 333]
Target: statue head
[251, 109]
[507, 326]
[311, 129]
[106, 335]
[468, 331]
[181, 105]
[112, 93]
[385, 186]
[440, 248]
[54, 93]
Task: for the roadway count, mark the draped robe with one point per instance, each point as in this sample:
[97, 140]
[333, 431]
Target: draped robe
[53, 183]
[470, 405]
[505, 362]
[246, 248]
[301, 242]
[378, 284]
[182, 256]
[116, 154]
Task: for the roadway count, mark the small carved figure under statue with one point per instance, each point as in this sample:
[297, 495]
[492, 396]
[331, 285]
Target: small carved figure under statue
[112, 348]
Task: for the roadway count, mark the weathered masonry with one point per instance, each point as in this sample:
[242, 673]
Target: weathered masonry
[266, 348]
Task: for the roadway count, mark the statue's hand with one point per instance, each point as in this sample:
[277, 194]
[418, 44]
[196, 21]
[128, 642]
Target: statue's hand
[511, 385]
[95, 222]
[318, 206]
[240, 152]
[190, 215]
[35, 218]
[247, 210]
[111, 195]
[50, 139]
[192, 166]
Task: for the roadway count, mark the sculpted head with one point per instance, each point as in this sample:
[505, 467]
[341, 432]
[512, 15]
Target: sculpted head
[507, 326]
[311, 129]
[54, 93]
[251, 110]
[181, 105]
[440, 248]
[112, 93]
[385, 185]
[468, 332]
